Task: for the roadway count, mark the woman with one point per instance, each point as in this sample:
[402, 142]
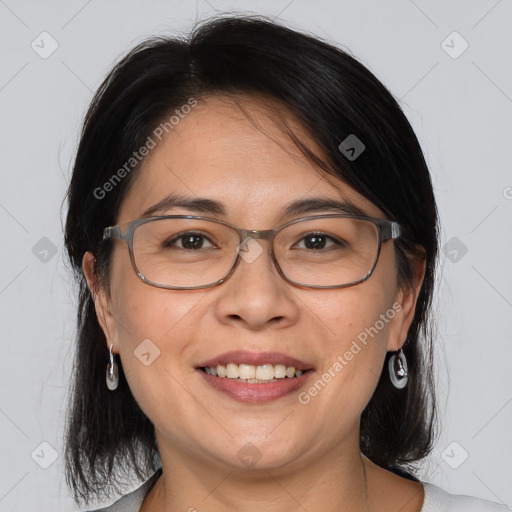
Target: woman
[254, 232]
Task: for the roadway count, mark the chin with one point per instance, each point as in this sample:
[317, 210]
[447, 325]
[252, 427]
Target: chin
[254, 456]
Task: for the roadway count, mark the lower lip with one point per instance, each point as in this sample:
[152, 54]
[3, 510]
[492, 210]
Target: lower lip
[256, 393]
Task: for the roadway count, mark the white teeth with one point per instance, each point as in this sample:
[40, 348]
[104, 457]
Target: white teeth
[280, 371]
[246, 371]
[265, 372]
[253, 374]
[232, 371]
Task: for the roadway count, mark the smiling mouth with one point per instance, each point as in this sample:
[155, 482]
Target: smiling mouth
[254, 374]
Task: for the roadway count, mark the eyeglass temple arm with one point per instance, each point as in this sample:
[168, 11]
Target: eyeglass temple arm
[112, 232]
[390, 229]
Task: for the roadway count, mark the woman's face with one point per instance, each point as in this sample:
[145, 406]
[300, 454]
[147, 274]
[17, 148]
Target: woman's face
[216, 153]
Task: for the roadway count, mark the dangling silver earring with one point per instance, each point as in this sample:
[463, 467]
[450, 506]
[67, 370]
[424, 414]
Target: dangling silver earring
[112, 376]
[397, 367]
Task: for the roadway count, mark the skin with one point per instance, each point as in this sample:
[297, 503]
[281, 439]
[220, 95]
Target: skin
[310, 457]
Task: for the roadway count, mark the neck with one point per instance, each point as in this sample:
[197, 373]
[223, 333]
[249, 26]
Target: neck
[335, 481]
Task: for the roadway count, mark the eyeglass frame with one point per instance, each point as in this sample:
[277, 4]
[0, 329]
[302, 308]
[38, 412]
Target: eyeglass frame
[386, 229]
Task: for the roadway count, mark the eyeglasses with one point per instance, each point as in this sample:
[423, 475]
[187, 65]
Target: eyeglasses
[185, 252]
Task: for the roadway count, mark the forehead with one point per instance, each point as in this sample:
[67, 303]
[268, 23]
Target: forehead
[237, 152]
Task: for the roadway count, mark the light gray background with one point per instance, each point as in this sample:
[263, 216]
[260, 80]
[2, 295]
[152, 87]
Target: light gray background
[460, 108]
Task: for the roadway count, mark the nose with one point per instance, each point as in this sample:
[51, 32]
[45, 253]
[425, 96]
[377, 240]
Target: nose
[255, 295]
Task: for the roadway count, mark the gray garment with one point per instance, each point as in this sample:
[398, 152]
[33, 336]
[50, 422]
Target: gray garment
[132, 502]
[436, 500]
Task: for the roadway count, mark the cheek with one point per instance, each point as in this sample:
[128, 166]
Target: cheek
[354, 334]
[361, 317]
[153, 328]
[361, 314]
[147, 312]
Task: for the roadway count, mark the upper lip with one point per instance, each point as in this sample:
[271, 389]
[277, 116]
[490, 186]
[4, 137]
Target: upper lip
[256, 359]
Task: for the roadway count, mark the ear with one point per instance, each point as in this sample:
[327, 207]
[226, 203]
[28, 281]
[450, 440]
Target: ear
[405, 304]
[102, 302]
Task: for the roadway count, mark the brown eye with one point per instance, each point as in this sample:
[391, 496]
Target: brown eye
[192, 241]
[316, 241]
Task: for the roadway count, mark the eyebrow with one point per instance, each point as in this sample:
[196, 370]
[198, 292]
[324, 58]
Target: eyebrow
[213, 207]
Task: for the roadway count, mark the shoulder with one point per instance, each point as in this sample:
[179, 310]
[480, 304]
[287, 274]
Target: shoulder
[131, 502]
[438, 500]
